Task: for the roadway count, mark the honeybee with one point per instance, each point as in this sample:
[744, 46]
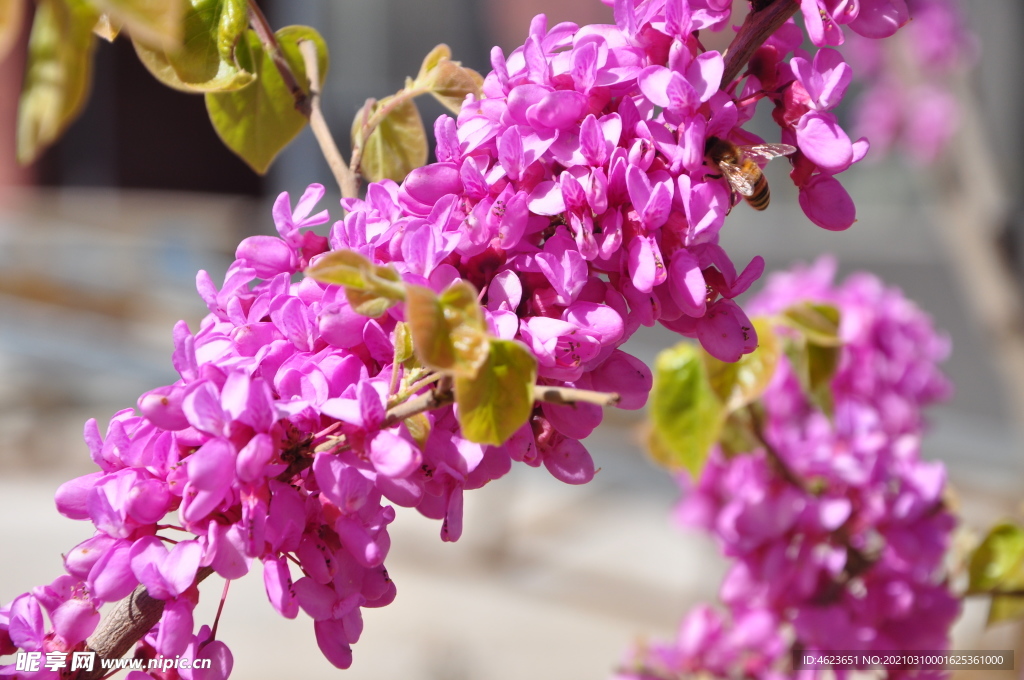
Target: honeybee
[739, 166]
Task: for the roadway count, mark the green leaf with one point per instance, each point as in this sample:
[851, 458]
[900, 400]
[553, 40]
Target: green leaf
[686, 414]
[57, 75]
[397, 146]
[233, 20]
[259, 120]
[371, 289]
[350, 269]
[817, 322]
[12, 13]
[433, 58]
[448, 331]
[499, 399]
[998, 562]
[207, 60]
[743, 382]
[822, 363]
[814, 366]
[430, 333]
[156, 23]
[403, 343]
[448, 81]
[1004, 608]
[468, 328]
[419, 428]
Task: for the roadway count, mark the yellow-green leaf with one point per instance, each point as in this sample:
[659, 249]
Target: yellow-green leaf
[433, 58]
[258, 120]
[208, 60]
[815, 366]
[352, 270]
[448, 81]
[106, 28]
[818, 322]
[431, 336]
[743, 382]
[997, 565]
[234, 17]
[419, 427]
[12, 13]
[57, 75]
[1005, 608]
[403, 343]
[397, 146]
[157, 23]
[998, 562]
[499, 399]
[448, 331]
[822, 363]
[686, 414]
[371, 288]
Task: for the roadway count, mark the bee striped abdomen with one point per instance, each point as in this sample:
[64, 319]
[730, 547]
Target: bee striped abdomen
[761, 196]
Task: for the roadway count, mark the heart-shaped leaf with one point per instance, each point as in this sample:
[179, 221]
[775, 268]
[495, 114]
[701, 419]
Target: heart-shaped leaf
[397, 145]
[448, 331]
[207, 60]
[497, 401]
[258, 120]
[686, 414]
[448, 80]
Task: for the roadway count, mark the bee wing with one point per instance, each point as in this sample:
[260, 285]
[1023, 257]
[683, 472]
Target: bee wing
[740, 181]
[766, 152]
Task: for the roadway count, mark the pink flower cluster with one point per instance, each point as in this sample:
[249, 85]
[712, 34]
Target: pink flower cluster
[838, 534]
[574, 195]
[908, 103]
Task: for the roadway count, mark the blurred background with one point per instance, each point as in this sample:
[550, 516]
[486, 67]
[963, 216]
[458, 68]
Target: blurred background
[100, 242]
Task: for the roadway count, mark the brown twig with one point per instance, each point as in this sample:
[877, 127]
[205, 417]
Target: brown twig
[261, 26]
[306, 104]
[347, 180]
[571, 395]
[128, 623]
[763, 20]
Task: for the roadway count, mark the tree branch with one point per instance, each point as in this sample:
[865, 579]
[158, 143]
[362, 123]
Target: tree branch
[306, 104]
[571, 395]
[347, 180]
[763, 20]
[128, 623]
[259, 24]
[429, 401]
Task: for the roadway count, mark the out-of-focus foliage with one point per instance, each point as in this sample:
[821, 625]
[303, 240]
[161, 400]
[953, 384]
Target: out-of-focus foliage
[254, 79]
[699, 401]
